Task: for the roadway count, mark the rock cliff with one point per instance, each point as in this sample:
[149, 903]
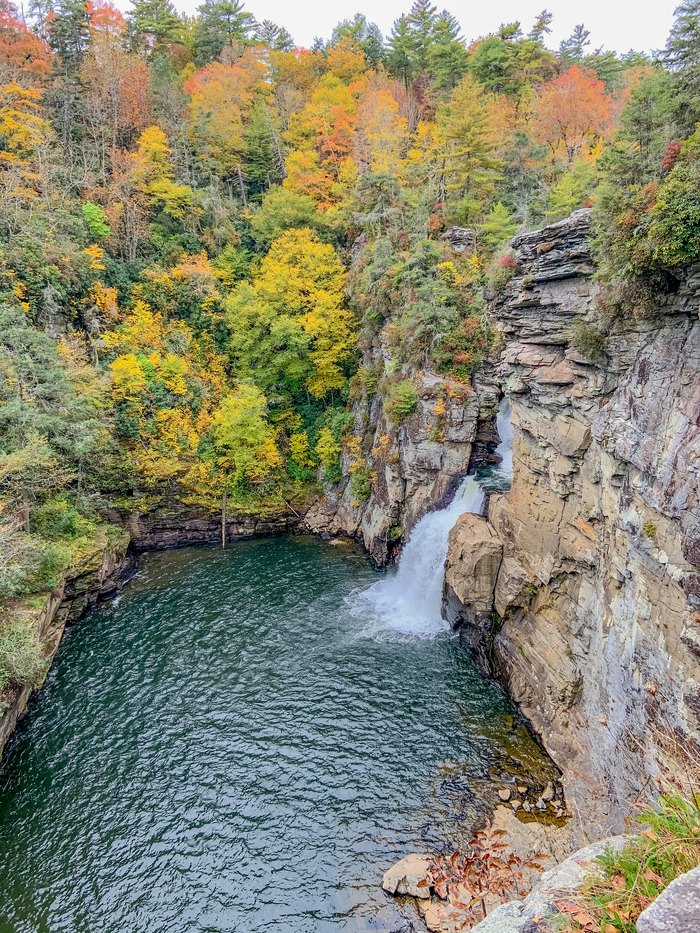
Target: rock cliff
[590, 591]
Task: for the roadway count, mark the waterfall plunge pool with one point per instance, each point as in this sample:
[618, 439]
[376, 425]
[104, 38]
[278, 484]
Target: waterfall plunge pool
[244, 741]
[229, 747]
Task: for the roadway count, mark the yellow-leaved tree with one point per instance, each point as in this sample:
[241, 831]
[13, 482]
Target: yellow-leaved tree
[290, 328]
[245, 447]
[166, 385]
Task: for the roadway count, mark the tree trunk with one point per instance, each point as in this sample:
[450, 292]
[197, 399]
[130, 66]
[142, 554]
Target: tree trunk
[241, 185]
[223, 520]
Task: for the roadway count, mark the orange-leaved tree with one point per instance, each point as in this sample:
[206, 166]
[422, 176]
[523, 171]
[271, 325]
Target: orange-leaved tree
[573, 111]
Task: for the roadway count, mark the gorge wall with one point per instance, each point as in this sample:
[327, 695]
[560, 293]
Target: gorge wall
[590, 565]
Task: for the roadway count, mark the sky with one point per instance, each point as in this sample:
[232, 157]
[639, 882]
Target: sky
[614, 24]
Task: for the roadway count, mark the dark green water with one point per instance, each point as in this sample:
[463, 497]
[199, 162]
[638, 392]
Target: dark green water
[228, 747]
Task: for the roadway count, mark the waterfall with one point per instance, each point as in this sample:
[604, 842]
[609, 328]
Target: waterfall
[505, 433]
[409, 600]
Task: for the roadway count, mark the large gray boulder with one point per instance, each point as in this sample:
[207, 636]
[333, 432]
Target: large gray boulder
[675, 910]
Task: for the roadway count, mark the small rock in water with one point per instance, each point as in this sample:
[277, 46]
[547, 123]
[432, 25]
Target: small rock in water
[527, 807]
[540, 804]
[504, 794]
[516, 804]
[405, 875]
[548, 792]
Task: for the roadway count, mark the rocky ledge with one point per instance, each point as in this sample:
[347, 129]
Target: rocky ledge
[581, 589]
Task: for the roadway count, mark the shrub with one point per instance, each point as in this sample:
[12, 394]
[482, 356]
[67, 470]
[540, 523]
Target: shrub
[401, 402]
[21, 658]
[649, 529]
[328, 453]
[589, 340]
[95, 221]
[57, 518]
[503, 268]
[360, 483]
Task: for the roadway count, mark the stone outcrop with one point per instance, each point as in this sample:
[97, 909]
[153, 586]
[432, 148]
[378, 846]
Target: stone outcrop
[181, 526]
[598, 588]
[538, 912]
[676, 909]
[415, 466]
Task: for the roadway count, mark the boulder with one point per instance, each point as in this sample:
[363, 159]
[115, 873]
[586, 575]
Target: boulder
[510, 585]
[474, 558]
[675, 910]
[405, 875]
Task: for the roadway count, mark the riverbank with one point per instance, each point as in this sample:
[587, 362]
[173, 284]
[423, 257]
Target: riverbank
[93, 575]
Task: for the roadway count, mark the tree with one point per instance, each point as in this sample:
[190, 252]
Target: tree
[682, 52]
[154, 23]
[541, 27]
[220, 96]
[263, 163]
[498, 227]
[423, 23]
[116, 91]
[46, 428]
[275, 37]
[69, 35]
[23, 132]
[573, 49]
[165, 387]
[24, 56]
[290, 329]
[401, 59]
[682, 56]
[382, 132]
[572, 190]
[364, 35]
[573, 110]
[222, 24]
[467, 148]
[448, 59]
[244, 444]
[283, 209]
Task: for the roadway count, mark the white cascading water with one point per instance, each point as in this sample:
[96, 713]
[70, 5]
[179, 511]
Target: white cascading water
[410, 600]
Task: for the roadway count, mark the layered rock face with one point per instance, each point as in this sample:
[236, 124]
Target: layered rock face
[415, 466]
[598, 582]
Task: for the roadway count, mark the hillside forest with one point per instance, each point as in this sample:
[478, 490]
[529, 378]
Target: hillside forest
[203, 225]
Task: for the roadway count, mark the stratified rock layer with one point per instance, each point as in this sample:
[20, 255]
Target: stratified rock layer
[599, 586]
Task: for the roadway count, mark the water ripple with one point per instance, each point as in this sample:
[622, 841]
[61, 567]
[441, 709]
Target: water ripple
[231, 746]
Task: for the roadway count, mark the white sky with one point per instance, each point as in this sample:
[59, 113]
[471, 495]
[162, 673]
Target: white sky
[613, 24]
